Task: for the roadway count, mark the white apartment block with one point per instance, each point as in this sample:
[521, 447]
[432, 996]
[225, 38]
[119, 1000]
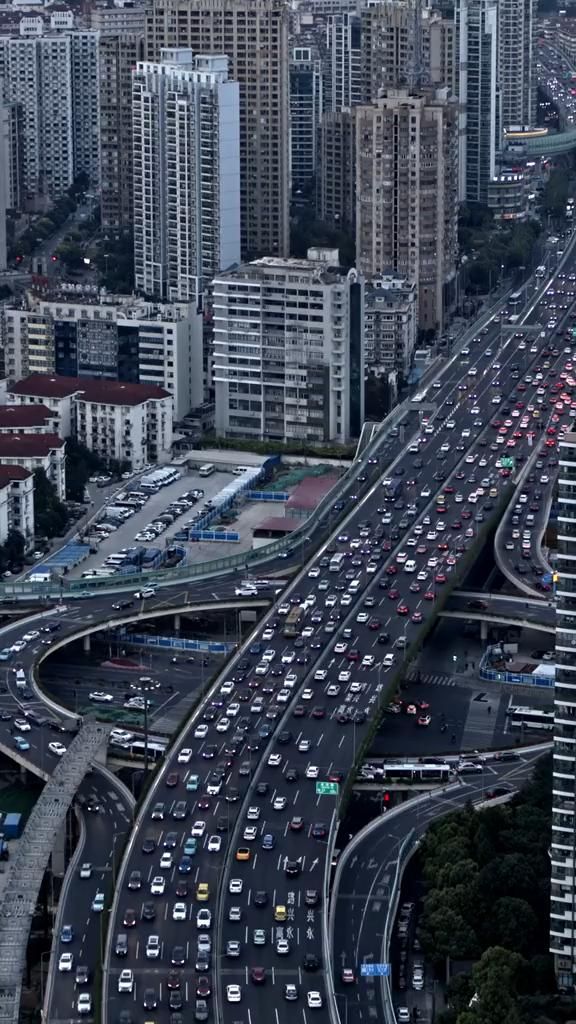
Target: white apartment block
[5, 145]
[36, 451]
[407, 194]
[343, 61]
[563, 844]
[16, 502]
[123, 339]
[124, 421]
[476, 28]
[186, 162]
[38, 77]
[289, 350]
[391, 324]
[516, 62]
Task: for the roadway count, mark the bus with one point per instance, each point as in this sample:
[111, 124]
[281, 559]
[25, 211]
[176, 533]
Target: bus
[515, 300]
[293, 621]
[530, 718]
[417, 771]
[337, 562]
[207, 469]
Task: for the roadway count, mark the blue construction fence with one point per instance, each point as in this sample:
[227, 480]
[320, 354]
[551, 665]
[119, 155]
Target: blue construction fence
[65, 558]
[176, 643]
[492, 675]
[267, 496]
[214, 535]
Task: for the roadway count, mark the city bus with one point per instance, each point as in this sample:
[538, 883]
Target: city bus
[416, 771]
[293, 621]
[530, 718]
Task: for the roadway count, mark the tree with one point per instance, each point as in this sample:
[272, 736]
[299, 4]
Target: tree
[513, 924]
[14, 547]
[50, 515]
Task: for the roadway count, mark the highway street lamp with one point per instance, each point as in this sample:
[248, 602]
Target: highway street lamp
[145, 686]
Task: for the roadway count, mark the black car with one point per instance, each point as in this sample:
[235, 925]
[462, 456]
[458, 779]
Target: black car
[383, 638]
[120, 605]
[82, 975]
[203, 963]
[262, 789]
[291, 775]
[293, 868]
[284, 738]
[312, 898]
[311, 962]
[149, 845]
[148, 911]
[150, 999]
[260, 898]
[175, 1000]
[135, 880]
[178, 958]
[210, 751]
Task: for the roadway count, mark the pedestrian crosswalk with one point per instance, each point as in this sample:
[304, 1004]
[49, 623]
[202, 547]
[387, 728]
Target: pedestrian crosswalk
[414, 675]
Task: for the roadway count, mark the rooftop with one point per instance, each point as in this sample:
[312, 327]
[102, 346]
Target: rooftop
[24, 415]
[309, 493]
[105, 392]
[28, 446]
[10, 473]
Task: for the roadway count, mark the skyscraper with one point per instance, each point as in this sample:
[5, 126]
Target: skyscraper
[186, 173]
[4, 174]
[120, 51]
[516, 71]
[85, 104]
[254, 36]
[476, 26]
[407, 194]
[306, 105]
[563, 845]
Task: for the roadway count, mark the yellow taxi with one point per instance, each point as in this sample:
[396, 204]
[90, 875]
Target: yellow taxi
[243, 853]
[202, 891]
[280, 913]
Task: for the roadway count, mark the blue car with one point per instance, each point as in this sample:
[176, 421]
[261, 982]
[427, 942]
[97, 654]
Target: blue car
[268, 841]
[20, 743]
[67, 933]
[185, 866]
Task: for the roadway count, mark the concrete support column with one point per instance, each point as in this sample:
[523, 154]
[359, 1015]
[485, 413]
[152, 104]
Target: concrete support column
[177, 622]
[58, 855]
[86, 644]
[483, 630]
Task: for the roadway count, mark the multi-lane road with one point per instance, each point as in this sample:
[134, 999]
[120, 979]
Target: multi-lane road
[366, 886]
[263, 831]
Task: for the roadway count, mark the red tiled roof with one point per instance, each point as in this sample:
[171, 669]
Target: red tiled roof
[28, 446]
[279, 524]
[106, 392]
[24, 415]
[310, 491]
[10, 473]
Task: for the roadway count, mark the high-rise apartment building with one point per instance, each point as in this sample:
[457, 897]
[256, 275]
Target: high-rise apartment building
[185, 116]
[289, 350]
[407, 194]
[516, 62]
[476, 26]
[4, 174]
[306, 106]
[254, 36]
[336, 178]
[342, 61]
[84, 54]
[389, 46]
[121, 47]
[563, 845]
[38, 78]
[391, 325]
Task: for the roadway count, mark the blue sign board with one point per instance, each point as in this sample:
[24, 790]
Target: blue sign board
[374, 970]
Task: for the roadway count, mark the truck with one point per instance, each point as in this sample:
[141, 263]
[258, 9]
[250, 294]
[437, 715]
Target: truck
[392, 487]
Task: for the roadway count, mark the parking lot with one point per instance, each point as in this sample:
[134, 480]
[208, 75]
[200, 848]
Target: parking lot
[124, 536]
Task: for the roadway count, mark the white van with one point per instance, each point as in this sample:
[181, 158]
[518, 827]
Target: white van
[410, 565]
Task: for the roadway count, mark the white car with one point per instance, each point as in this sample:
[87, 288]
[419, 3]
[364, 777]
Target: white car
[368, 661]
[226, 688]
[314, 572]
[233, 993]
[86, 870]
[144, 593]
[32, 635]
[214, 844]
[236, 885]
[158, 885]
[204, 918]
[314, 1000]
[66, 962]
[84, 1004]
[356, 687]
[22, 725]
[344, 676]
[98, 902]
[18, 646]
[312, 771]
[253, 814]
[166, 861]
[179, 912]
[320, 675]
[307, 694]
[250, 833]
[341, 647]
[279, 803]
[333, 690]
[200, 732]
[274, 760]
[232, 710]
[57, 748]
[362, 617]
[283, 696]
[198, 829]
[288, 657]
[126, 980]
[100, 698]
[223, 725]
[185, 755]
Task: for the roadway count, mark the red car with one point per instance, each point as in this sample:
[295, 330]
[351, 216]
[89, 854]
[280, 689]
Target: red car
[258, 975]
[393, 594]
[203, 987]
[429, 595]
[353, 655]
[402, 609]
[391, 570]
[415, 587]
[172, 779]
[440, 577]
[374, 624]
[417, 617]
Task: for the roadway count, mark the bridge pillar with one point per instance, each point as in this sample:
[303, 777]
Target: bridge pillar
[177, 623]
[86, 644]
[246, 615]
[483, 630]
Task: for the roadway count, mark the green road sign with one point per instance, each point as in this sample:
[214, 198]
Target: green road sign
[327, 789]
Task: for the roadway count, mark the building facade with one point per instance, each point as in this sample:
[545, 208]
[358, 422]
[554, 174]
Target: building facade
[407, 194]
[120, 50]
[36, 451]
[125, 340]
[516, 62]
[342, 61]
[306, 107]
[391, 325]
[84, 72]
[186, 163]
[563, 848]
[336, 178]
[254, 36]
[128, 422]
[476, 26]
[289, 350]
